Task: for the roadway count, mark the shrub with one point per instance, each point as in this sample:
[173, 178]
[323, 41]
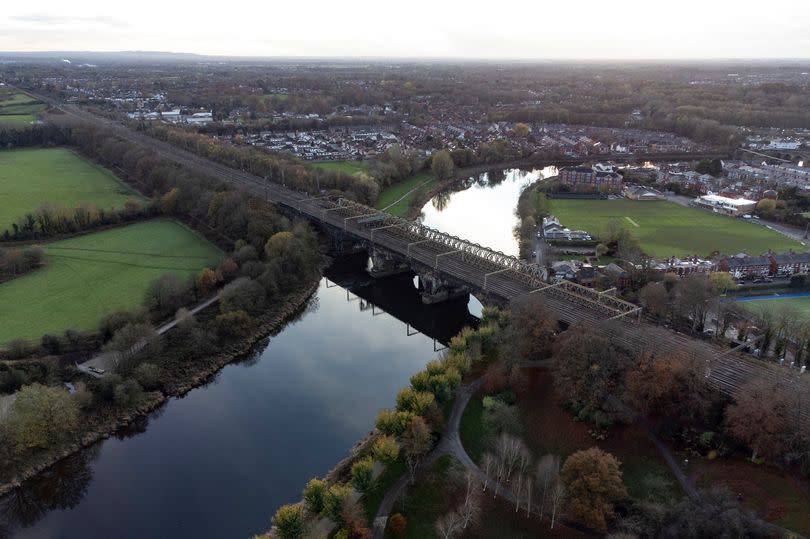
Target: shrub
[397, 524]
[393, 423]
[233, 325]
[289, 522]
[314, 494]
[148, 375]
[333, 501]
[418, 402]
[385, 449]
[363, 475]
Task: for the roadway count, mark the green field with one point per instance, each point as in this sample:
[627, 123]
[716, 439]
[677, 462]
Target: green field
[391, 195]
[30, 178]
[666, 229]
[18, 108]
[346, 167]
[801, 304]
[88, 276]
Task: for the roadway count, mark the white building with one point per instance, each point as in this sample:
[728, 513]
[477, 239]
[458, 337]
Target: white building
[726, 205]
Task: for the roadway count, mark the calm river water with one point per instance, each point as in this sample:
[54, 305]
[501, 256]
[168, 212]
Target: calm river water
[219, 461]
[482, 209]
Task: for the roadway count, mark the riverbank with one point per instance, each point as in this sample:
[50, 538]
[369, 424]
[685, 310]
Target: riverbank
[197, 374]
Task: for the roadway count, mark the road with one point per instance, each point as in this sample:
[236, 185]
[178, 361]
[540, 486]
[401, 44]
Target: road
[105, 361]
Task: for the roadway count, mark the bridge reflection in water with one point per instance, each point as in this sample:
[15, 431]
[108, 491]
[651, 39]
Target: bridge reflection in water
[399, 297]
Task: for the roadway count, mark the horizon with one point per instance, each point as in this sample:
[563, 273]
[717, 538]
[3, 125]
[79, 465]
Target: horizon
[589, 31]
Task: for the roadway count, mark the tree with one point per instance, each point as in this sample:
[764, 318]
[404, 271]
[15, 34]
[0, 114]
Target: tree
[548, 471]
[333, 501]
[766, 207]
[148, 375]
[397, 524]
[531, 330]
[242, 294]
[669, 386]
[165, 294]
[712, 513]
[133, 341]
[449, 525]
[593, 481]
[558, 494]
[722, 282]
[442, 165]
[415, 443]
[470, 509]
[313, 495]
[363, 475]
[233, 325]
[393, 423]
[41, 416]
[168, 201]
[693, 293]
[289, 521]
[587, 369]
[521, 130]
[417, 402]
[760, 417]
[655, 299]
[385, 449]
[206, 281]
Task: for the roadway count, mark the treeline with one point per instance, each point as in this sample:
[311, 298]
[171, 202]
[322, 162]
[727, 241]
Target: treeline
[49, 221]
[275, 167]
[15, 262]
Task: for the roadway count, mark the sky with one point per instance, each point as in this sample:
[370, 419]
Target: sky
[528, 29]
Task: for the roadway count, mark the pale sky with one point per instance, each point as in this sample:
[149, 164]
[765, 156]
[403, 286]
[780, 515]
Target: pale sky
[532, 29]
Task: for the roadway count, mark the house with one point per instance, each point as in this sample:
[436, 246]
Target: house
[587, 179]
[742, 266]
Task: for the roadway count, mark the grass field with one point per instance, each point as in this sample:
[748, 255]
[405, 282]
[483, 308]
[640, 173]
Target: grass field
[89, 276]
[346, 167]
[391, 196]
[799, 304]
[666, 229]
[18, 108]
[57, 176]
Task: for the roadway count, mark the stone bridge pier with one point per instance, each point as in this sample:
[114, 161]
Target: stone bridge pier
[435, 289]
[384, 264]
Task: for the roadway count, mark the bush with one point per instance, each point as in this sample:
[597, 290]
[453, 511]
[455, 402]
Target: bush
[397, 524]
[289, 522]
[233, 325]
[314, 494]
[385, 449]
[418, 402]
[243, 294]
[363, 475]
[393, 423]
[333, 501]
[148, 375]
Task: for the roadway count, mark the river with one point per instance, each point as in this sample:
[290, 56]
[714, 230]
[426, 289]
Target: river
[482, 208]
[219, 461]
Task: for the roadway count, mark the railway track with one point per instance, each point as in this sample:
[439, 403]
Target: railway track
[481, 269]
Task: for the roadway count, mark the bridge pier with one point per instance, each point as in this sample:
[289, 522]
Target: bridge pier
[434, 289]
[386, 265]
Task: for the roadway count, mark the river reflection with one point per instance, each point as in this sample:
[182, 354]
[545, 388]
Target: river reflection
[482, 208]
[219, 461]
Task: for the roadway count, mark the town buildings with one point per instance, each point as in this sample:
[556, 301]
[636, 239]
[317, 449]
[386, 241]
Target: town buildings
[588, 179]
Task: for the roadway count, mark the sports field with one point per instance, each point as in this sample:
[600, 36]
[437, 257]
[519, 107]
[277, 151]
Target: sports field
[30, 178]
[89, 276]
[346, 167]
[18, 108]
[666, 229]
[798, 302]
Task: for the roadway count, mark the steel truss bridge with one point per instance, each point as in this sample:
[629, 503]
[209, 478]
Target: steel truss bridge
[497, 277]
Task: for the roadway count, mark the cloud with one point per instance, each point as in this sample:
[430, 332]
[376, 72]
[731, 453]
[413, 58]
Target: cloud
[62, 20]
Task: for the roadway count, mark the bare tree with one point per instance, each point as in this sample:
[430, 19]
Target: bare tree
[471, 507]
[449, 526]
[529, 492]
[518, 490]
[557, 498]
[488, 462]
[548, 469]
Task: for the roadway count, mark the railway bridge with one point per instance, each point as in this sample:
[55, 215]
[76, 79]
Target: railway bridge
[449, 265]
